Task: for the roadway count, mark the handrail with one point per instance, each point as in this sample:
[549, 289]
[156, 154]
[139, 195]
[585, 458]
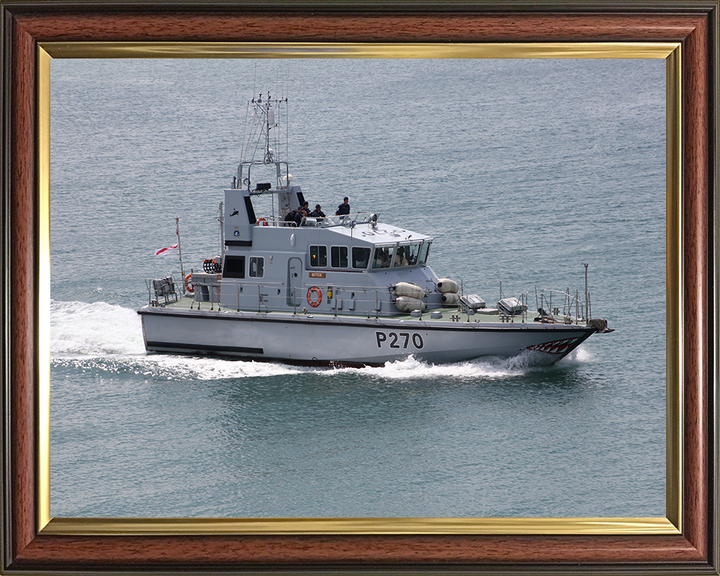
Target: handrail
[366, 300]
[362, 300]
[570, 301]
[348, 220]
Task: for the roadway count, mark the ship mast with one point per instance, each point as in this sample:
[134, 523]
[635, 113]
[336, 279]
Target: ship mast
[263, 140]
[262, 171]
[269, 125]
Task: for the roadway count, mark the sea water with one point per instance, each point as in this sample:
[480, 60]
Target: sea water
[521, 170]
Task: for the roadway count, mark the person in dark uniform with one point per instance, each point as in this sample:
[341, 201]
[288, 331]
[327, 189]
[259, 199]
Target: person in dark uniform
[344, 208]
[301, 213]
[317, 213]
[290, 216]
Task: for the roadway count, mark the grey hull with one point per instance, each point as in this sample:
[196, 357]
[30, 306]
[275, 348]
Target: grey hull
[350, 341]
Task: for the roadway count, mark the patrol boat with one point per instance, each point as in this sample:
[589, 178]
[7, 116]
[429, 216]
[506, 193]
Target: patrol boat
[346, 290]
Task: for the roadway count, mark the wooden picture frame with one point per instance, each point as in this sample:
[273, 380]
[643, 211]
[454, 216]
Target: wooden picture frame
[686, 541]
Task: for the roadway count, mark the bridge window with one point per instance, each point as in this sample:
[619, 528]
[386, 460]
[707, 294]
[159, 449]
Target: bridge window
[318, 256]
[339, 256]
[382, 257]
[424, 251]
[234, 267]
[407, 254]
[360, 257]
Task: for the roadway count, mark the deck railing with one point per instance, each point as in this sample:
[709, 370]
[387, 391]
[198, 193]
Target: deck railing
[561, 303]
[268, 296]
[349, 220]
[552, 305]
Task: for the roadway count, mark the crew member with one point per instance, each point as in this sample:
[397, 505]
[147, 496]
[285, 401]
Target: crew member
[300, 216]
[344, 208]
[290, 216]
[317, 213]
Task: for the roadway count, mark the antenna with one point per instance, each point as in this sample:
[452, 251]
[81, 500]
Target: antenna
[277, 82]
[587, 308]
[254, 78]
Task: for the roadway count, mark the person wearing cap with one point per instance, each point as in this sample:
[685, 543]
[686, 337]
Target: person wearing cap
[317, 213]
[300, 216]
[344, 208]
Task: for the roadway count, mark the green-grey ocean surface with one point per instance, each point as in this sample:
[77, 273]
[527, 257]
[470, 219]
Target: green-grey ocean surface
[522, 170]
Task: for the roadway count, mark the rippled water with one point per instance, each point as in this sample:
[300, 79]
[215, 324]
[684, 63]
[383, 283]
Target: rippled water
[522, 170]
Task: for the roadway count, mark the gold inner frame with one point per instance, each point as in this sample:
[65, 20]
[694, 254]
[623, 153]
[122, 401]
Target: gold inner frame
[671, 524]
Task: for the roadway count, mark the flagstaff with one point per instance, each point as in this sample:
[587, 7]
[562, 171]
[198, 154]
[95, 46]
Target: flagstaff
[177, 232]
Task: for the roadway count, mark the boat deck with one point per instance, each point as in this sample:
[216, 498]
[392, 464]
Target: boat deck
[435, 315]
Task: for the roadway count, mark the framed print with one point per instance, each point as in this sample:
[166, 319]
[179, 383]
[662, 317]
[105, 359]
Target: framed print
[682, 34]
[499, 107]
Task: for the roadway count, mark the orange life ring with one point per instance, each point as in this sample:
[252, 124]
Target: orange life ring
[189, 288]
[263, 220]
[314, 290]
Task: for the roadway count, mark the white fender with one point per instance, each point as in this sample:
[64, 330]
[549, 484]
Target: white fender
[445, 285]
[450, 299]
[407, 304]
[409, 290]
